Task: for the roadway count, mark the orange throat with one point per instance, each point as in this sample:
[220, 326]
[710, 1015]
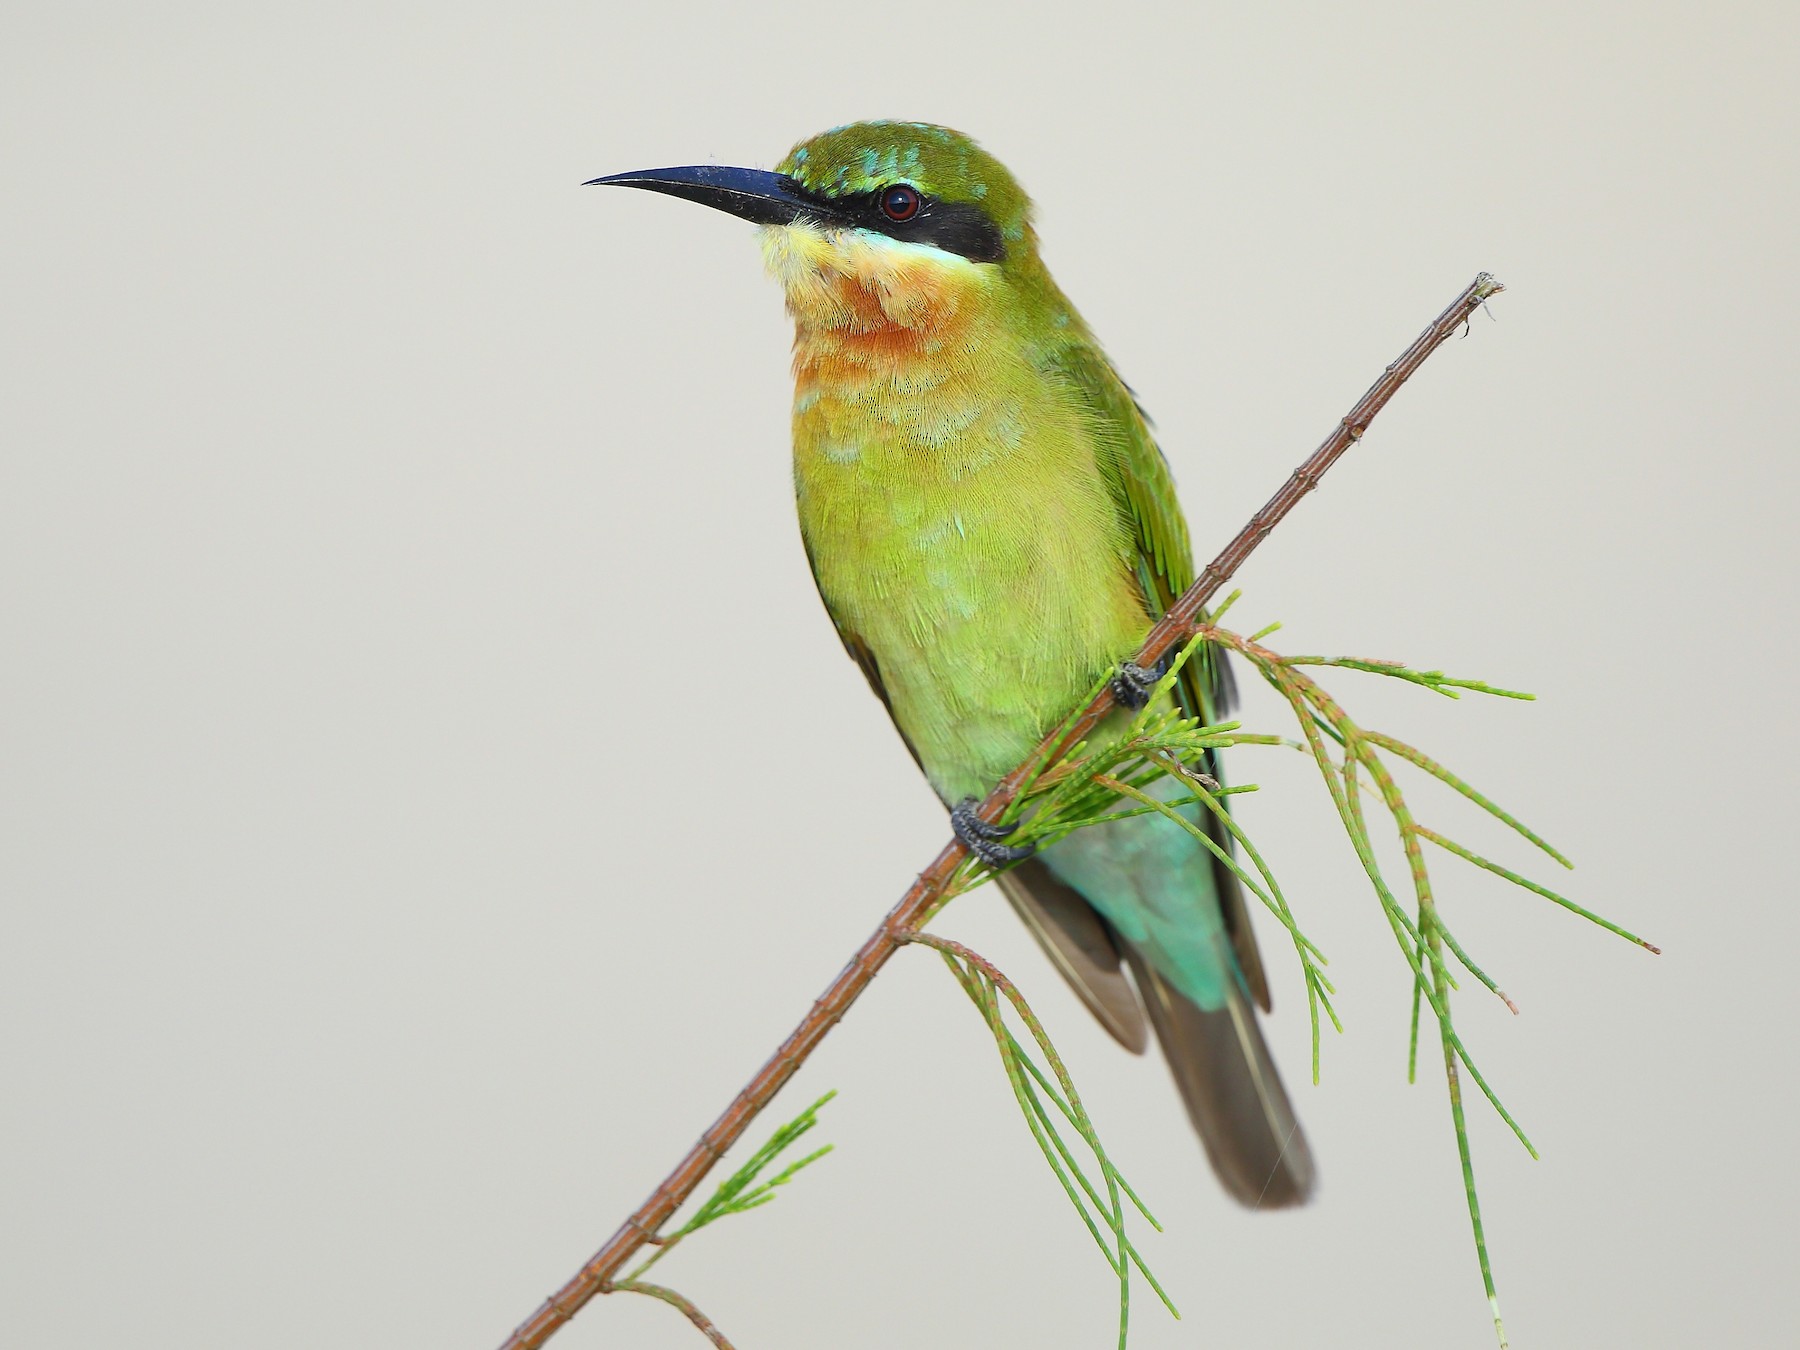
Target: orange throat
[872, 312]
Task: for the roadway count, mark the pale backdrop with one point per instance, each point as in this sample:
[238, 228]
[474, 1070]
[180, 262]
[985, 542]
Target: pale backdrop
[431, 786]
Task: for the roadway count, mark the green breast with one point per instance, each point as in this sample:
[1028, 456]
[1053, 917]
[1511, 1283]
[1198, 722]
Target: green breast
[966, 540]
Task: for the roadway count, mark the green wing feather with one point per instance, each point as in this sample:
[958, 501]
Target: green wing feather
[1135, 471]
[1143, 490]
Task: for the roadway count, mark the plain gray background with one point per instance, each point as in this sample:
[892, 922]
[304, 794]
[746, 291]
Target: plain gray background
[431, 785]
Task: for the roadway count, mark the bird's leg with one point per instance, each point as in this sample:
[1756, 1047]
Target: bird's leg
[981, 838]
[1131, 683]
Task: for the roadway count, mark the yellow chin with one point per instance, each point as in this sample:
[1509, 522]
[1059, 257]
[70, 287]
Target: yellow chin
[832, 276]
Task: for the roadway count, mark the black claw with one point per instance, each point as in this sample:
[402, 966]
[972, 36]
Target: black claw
[1132, 683]
[963, 816]
[978, 836]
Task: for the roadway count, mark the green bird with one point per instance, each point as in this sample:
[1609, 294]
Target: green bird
[993, 528]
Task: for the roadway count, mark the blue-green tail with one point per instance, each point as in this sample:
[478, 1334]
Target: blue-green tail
[1143, 893]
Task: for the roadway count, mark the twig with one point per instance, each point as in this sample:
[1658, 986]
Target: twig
[985, 985]
[675, 1300]
[925, 893]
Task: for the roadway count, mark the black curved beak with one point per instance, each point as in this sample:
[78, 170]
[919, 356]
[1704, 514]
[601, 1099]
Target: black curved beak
[752, 194]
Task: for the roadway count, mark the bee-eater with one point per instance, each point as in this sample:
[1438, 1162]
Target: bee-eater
[993, 529]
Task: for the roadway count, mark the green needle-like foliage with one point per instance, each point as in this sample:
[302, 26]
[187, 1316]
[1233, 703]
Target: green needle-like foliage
[744, 1190]
[991, 993]
[1090, 784]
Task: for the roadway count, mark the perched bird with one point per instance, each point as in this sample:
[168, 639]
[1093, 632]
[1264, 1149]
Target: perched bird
[993, 529]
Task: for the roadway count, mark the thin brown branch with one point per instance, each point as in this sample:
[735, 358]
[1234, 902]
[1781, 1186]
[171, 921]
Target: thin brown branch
[675, 1300]
[925, 893]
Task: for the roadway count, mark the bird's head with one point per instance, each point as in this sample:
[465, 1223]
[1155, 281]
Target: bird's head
[886, 222]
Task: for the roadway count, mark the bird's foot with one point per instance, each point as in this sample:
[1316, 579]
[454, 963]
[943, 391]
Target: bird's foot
[982, 838]
[1131, 683]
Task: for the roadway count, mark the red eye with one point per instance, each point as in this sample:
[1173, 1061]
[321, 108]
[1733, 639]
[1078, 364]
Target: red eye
[900, 203]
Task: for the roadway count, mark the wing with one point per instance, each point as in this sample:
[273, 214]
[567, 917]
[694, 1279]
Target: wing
[1081, 945]
[1143, 491]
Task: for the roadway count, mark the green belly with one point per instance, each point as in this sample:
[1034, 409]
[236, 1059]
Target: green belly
[989, 604]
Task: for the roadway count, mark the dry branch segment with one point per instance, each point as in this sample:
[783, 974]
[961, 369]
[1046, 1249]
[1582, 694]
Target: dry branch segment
[677, 1301]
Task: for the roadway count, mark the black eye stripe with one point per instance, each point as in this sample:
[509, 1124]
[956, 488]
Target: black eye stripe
[962, 228]
[958, 227]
